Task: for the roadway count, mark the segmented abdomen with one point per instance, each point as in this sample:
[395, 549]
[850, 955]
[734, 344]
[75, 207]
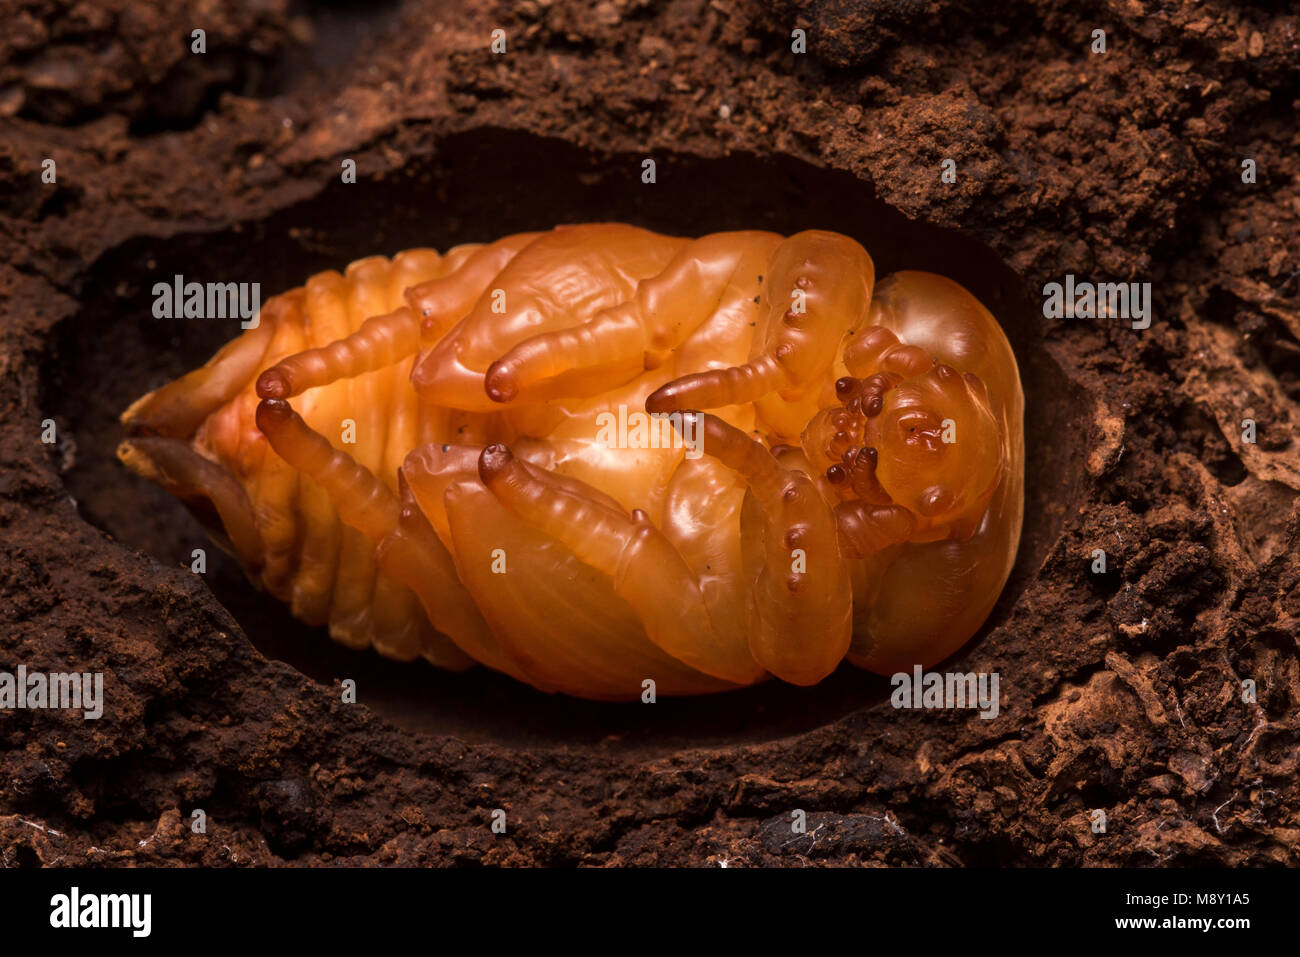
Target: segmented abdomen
[323, 569]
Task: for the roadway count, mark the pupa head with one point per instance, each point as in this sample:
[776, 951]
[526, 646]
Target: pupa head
[928, 442]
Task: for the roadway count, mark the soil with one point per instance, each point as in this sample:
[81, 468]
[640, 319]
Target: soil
[1126, 692]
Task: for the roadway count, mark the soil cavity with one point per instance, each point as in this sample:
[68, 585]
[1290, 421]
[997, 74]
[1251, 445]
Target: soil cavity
[474, 187]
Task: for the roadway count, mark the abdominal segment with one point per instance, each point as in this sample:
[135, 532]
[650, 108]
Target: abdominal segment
[501, 455]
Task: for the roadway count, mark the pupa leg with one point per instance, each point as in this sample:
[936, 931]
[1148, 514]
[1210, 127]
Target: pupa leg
[272, 485]
[412, 555]
[866, 529]
[175, 466]
[819, 289]
[421, 555]
[640, 333]
[399, 628]
[801, 616]
[381, 341]
[432, 308]
[367, 509]
[442, 302]
[538, 613]
[559, 617]
[647, 571]
[364, 504]
[879, 350]
[252, 515]
[335, 577]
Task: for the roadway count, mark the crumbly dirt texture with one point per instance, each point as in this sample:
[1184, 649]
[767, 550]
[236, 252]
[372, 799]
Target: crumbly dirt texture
[1122, 691]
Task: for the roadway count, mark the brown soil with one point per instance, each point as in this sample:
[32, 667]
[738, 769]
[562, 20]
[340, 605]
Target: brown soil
[1121, 691]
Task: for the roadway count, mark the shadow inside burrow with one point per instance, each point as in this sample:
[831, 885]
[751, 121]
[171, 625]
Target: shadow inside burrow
[471, 187]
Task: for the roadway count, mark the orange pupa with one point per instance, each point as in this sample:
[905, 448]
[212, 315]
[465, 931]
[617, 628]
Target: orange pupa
[598, 456]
